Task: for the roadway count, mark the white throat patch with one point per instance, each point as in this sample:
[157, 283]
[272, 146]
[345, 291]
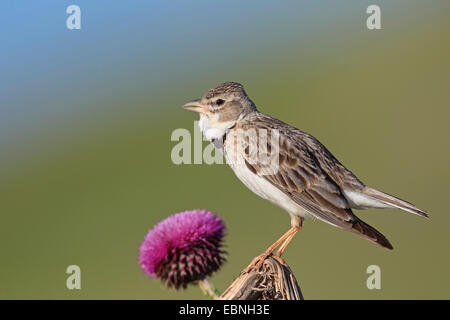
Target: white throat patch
[213, 130]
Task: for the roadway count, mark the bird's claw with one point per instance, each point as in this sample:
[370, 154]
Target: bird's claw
[257, 262]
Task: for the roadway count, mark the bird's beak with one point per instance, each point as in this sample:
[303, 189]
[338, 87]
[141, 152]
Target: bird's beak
[195, 105]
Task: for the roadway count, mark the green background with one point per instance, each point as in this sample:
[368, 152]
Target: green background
[87, 116]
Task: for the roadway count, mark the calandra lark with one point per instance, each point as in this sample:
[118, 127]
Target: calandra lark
[306, 181]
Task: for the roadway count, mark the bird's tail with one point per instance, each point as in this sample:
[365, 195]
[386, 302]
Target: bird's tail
[394, 201]
[364, 230]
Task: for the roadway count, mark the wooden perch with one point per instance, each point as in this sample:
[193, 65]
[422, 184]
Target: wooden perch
[274, 281]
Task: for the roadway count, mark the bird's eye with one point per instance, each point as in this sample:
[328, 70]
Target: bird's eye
[220, 102]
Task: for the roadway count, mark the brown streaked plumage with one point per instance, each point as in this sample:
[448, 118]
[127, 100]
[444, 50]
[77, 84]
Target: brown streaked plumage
[309, 180]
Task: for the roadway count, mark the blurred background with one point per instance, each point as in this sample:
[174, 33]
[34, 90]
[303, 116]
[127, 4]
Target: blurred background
[86, 118]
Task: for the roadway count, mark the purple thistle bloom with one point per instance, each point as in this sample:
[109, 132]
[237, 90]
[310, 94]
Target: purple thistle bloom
[184, 247]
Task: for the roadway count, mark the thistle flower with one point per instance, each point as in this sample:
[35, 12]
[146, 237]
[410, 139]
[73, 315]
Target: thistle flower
[183, 248]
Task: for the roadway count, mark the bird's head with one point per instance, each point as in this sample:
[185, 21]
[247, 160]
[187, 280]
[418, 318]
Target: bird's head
[224, 103]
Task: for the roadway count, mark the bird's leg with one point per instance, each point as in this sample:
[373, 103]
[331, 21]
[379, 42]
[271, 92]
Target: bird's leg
[286, 242]
[259, 260]
[297, 226]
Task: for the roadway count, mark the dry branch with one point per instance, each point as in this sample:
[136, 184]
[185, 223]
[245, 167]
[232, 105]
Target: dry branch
[274, 281]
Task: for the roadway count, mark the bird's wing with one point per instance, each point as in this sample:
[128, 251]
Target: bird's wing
[300, 175]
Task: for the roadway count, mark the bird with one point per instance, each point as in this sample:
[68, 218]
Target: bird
[307, 180]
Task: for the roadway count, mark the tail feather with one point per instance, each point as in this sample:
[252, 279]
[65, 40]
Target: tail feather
[363, 229]
[394, 201]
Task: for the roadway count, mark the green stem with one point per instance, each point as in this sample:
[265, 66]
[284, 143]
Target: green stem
[208, 289]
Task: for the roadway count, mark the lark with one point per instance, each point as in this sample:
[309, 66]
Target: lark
[307, 180]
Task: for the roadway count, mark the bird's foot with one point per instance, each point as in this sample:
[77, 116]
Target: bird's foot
[284, 239]
[257, 262]
[278, 254]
